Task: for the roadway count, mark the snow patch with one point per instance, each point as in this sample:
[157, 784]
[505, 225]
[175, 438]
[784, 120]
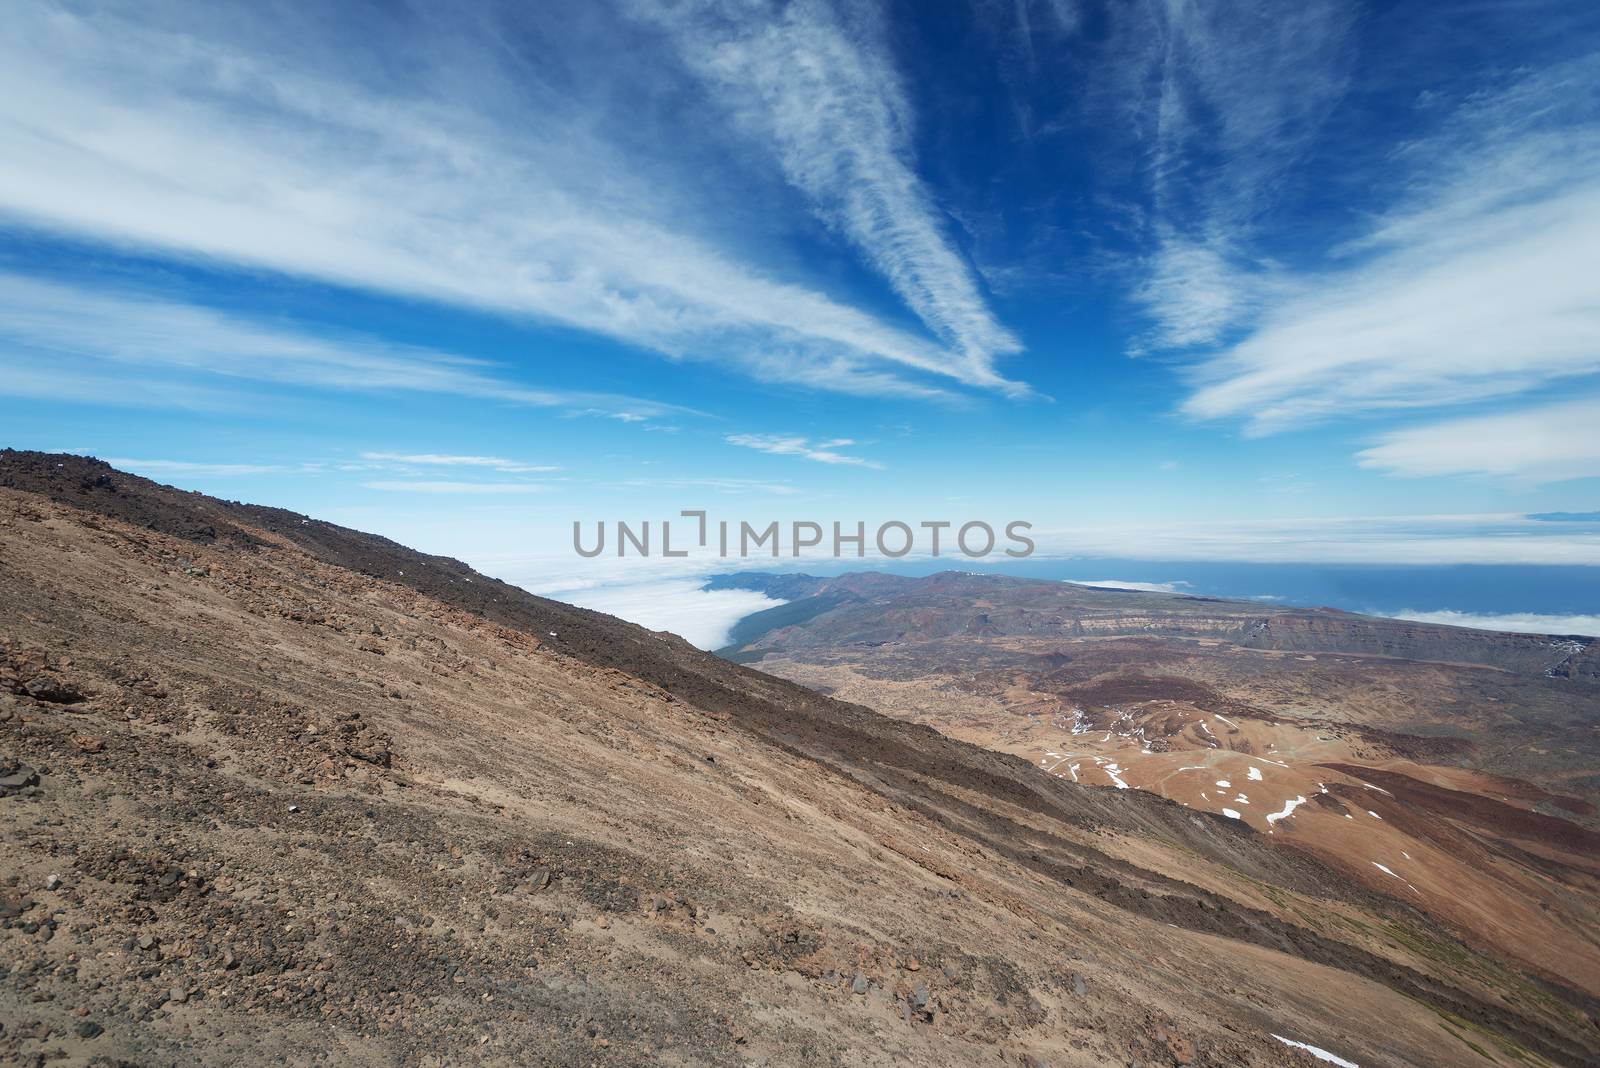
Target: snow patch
[1231, 814]
[1287, 810]
[1254, 773]
[1319, 1054]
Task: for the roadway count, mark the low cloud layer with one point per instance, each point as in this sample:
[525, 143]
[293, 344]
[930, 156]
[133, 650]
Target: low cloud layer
[1519, 622]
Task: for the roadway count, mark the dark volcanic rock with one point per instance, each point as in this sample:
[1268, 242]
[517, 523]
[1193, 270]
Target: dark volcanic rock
[53, 690]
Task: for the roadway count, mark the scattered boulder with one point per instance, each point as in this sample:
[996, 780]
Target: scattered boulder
[373, 752]
[16, 777]
[53, 691]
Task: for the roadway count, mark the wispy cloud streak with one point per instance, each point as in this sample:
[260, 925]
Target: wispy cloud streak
[60, 340]
[1227, 97]
[201, 469]
[822, 94]
[1544, 443]
[1480, 283]
[226, 142]
[822, 452]
[495, 463]
[456, 488]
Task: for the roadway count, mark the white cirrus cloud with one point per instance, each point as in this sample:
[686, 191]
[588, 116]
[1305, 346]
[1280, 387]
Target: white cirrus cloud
[1539, 444]
[818, 90]
[823, 452]
[1482, 282]
[413, 157]
[718, 485]
[1227, 97]
[494, 463]
[200, 469]
[75, 342]
[448, 487]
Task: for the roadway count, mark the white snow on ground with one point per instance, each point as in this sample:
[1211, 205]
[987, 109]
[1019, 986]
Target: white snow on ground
[1116, 776]
[1231, 814]
[1242, 799]
[1074, 769]
[1380, 789]
[1287, 810]
[1254, 773]
[1193, 767]
[1319, 1054]
[1386, 871]
[1224, 719]
[1224, 783]
[1373, 814]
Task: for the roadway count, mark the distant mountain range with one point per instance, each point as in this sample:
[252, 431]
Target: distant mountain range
[1457, 768]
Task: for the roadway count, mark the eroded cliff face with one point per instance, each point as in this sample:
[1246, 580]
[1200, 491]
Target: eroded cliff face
[1553, 655]
[264, 794]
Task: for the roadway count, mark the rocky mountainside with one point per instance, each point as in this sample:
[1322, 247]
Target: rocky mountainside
[276, 791]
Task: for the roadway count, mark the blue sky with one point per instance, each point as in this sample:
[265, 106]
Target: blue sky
[1169, 280]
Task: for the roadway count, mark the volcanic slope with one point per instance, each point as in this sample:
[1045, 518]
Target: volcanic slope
[279, 792]
[1454, 769]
